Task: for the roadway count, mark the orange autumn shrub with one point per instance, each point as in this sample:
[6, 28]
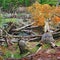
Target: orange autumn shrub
[40, 13]
[56, 19]
[46, 8]
[57, 10]
[40, 21]
[36, 13]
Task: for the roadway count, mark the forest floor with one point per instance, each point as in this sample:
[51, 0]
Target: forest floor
[15, 53]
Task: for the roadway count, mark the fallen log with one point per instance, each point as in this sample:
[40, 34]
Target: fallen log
[5, 31]
[30, 31]
[55, 33]
[33, 39]
[14, 36]
[32, 27]
[18, 29]
[10, 27]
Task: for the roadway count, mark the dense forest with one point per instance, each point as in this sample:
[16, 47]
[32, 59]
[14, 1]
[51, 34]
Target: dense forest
[13, 4]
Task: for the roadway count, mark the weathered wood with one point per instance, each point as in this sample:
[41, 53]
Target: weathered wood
[18, 29]
[55, 33]
[32, 39]
[30, 31]
[31, 27]
[32, 35]
[57, 30]
[10, 27]
[14, 36]
[5, 31]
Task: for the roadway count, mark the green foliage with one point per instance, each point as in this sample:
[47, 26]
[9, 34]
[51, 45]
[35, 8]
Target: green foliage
[13, 4]
[8, 54]
[9, 4]
[9, 20]
[27, 2]
[51, 2]
[34, 49]
[1, 20]
[58, 43]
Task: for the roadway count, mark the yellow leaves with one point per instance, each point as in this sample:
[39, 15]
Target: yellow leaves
[36, 5]
[57, 10]
[40, 21]
[56, 19]
[1, 58]
[46, 8]
[40, 13]
[3, 49]
[30, 9]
